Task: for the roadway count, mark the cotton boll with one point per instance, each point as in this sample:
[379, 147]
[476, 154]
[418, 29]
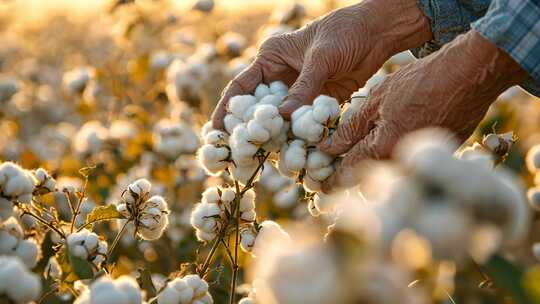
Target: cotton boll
[295, 155]
[6, 209]
[279, 88]
[8, 242]
[317, 159]
[257, 133]
[205, 236]
[300, 112]
[130, 288]
[533, 194]
[533, 159]
[274, 100]
[90, 138]
[499, 143]
[28, 252]
[325, 109]
[19, 284]
[307, 128]
[249, 216]
[269, 232]
[213, 159]
[230, 121]
[215, 137]
[261, 91]
[320, 174]
[243, 174]
[247, 238]
[238, 105]
[287, 197]
[211, 196]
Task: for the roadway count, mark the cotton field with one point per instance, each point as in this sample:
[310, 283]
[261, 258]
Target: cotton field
[115, 186]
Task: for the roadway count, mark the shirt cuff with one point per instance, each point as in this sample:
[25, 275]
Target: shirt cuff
[448, 19]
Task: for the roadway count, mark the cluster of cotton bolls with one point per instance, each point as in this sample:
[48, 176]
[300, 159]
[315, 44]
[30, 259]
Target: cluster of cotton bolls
[216, 210]
[150, 214]
[190, 289]
[17, 283]
[13, 243]
[450, 201]
[16, 184]
[123, 290]
[86, 245]
[256, 127]
[174, 138]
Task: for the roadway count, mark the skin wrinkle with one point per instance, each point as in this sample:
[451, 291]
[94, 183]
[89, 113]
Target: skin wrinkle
[469, 73]
[342, 44]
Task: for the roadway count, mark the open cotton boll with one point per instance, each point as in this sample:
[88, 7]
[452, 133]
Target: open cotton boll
[269, 232]
[279, 88]
[320, 174]
[243, 173]
[230, 121]
[317, 159]
[307, 128]
[498, 142]
[16, 282]
[28, 251]
[247, 238]
[271, 99]
[533, 159]
[287, 197]
[173, 138]
[257, 133]
[262, 91]
[238, 105]
[87, 245]
[213, 159]
[15, 184]
[300, 112]
[153, 218]
[325, 109]
[123, 290]
[211, 196]
[295, 155]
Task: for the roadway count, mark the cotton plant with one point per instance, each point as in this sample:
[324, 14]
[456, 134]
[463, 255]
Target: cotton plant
[90, 138]
[190, 289]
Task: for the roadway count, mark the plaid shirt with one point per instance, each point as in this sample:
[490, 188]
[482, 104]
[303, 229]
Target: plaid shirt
[512, 25]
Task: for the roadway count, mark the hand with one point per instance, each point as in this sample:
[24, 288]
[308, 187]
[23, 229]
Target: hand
[452, 88]
[333, 55]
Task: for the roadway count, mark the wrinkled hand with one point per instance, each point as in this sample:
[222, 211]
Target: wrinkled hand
[452, 88]
[333, 55]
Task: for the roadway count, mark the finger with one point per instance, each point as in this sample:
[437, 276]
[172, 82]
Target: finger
[307, 86]
[244, 83]
[378, 144]
[351, 131]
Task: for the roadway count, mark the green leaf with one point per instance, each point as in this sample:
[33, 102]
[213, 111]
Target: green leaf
[81, 267]
[145, 282]
[103, 213]
[508, 277]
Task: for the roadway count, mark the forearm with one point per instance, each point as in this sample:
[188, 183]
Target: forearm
[478, 66]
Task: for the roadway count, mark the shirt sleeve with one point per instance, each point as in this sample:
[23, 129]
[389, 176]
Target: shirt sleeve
[448, 19]
[514, 26]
